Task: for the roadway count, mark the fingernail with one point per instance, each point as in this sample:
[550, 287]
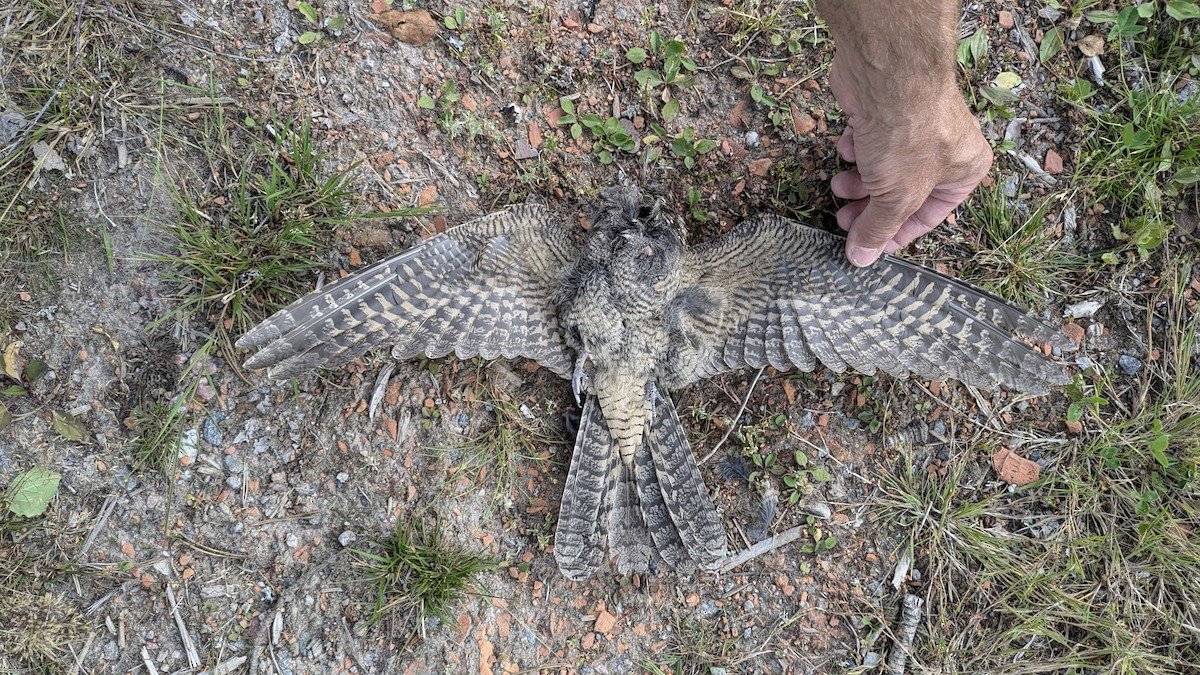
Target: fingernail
[862, 256]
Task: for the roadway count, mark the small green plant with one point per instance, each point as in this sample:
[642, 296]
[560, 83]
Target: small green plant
[157, 431]
[687, 147]
[417, 575]
[318, 24]
[456, 20]
[820, 540]
[609, 135]
[675, 71]
[696, 647]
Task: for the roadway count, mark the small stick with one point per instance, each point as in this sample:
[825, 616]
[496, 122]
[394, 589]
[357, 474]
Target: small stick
[110, 502]
[148, 663]
[910, 616]
[763, 547]
[745, 402]
[189, 647]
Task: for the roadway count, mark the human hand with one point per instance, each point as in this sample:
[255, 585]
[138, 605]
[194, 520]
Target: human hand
[916, 160]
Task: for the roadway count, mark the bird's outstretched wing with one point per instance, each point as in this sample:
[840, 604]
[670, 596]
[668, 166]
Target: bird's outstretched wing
[775, 292]
[484, 287]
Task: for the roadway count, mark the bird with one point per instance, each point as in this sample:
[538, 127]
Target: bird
[628, 311]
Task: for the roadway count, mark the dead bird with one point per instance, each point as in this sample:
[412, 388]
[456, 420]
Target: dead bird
[628, 312]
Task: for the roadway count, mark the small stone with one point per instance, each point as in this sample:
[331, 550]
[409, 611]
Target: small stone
[1015, 469]
[1082, 310]
[760, 167]
[751, 139]
[1129, 364]
[341, 478]
[234, 482]
[605, 621]
[1075, 332]
[292, 540]
[346, 538]
[1005, 19]
[233, 464]
[1053, 162]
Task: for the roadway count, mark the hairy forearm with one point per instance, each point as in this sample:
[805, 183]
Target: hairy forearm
[895, 51]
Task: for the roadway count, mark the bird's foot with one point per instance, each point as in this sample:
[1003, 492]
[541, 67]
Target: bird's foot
[579, 379]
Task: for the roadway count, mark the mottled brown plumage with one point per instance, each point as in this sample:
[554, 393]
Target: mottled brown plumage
[628, 313]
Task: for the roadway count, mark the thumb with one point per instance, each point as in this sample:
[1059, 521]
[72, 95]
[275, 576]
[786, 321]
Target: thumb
[873, 229]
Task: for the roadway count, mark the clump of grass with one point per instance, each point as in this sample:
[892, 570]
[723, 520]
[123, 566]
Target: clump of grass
[418, 575]
[492, 453]
[37, 630]
[696, 648]
[239, 252]
[157, 431]
[1019, 256]
[1091, 569]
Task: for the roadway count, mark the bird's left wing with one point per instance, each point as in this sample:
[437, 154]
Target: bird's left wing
[775, 292]
[485, 287]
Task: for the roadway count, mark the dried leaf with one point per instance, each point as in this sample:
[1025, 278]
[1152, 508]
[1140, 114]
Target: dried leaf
[68, 427]
[416, 27]
[32, 491]
[1091, 45]
[12, 362]
[5, 416]
[1007, 80]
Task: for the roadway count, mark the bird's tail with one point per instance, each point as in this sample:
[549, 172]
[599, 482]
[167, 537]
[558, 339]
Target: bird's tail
[657, 504]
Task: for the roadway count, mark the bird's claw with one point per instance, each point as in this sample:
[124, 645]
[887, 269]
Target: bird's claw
[579, 380]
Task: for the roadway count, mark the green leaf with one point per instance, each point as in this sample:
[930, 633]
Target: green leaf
[337, 23]
[1051, 44]
[705, 145]
[1158, 448]
[1187, 175]
[34, 370]
[591, 121]
[450, 22]
[1075, 412]
[567, 105]
[636, 55]
[566, 119]
[1101, 16]
[1181, 10]
[68, 427]
[31, 492]
[308, 11]
[1147, 9]
[14, 390]
[973, 49]
[647, 78]
[670, 110]
[605, 157]
[820, 475]
[998, 96]
[5, 416]
[689, 162]
[309, 37]
[426, 102]
[576, 131]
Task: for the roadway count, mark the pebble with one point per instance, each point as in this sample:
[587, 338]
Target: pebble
[233, 464]
[211, 433]
[234, 482]
[851, 422]
[819, 509]
[341, 478]
[751, 139]
[292, 540]
[1129, 364]
[189, 444]
[346, 538]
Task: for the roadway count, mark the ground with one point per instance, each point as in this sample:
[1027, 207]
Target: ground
[208, 519]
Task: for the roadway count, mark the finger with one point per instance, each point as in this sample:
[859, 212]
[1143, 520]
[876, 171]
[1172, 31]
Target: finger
[849, 185]
[849, 213]
[845, 144]
[931, 214]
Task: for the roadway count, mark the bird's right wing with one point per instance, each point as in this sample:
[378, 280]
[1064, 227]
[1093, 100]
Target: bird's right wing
[485, 287]
[775, 292]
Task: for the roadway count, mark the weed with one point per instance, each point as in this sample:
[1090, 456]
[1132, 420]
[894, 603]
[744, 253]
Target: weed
[418, 576]
[492, 453]
[157, 431]
[695, 647]
[38, 629]
[1093, 567]
[675, 71]
[318, 24]
[1019, 256]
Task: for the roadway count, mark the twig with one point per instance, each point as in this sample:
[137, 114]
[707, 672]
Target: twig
[763, 547]
[189, 647]
[95, 606]
[110, 502]
[910, 616]
[150, 668]
[745, 402]
[381, 386]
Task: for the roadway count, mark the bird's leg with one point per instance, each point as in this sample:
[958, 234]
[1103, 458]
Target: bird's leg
[579, 379]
